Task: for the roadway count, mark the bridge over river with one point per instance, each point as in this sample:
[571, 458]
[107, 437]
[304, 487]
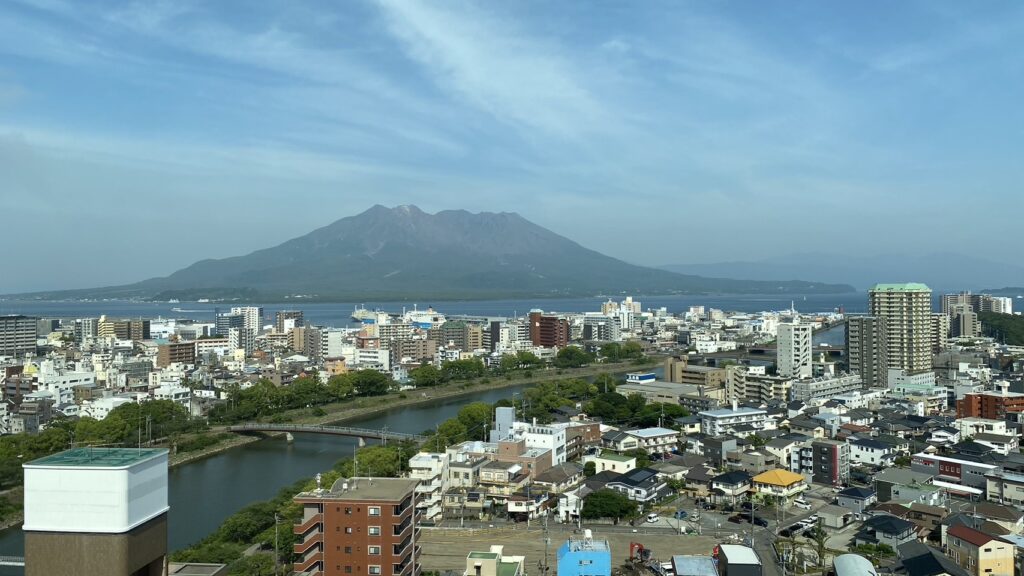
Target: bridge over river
[363, 433]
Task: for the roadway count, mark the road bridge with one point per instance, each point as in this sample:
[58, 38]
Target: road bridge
[363, 433]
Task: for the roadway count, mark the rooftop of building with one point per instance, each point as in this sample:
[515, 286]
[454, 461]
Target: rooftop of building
[652, 432]
[484, 555]
[694, 565]
[902, 287]
[615, 457]
[730, 412]
[778, 477]
[374, 489]
[586, 545]
[98, 458]
[196, 569]
[739, 554]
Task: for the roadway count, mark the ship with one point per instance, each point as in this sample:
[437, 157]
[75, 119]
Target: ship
[361, 314]
[423, 318]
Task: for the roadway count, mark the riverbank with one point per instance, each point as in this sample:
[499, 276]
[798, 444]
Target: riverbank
[341, 412]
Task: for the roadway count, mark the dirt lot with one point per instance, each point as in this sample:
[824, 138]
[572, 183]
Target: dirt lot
[446, 549]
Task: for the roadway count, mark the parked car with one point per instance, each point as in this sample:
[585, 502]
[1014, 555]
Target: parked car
[802, 504]
[681, 515]
[758, 521]
[746, 505]
[737, 518]
[652, 517]
[708, 506]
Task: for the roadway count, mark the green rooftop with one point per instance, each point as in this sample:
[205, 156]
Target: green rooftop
[616, 457]
[98, 457]
[488, 555]
[508, 568]
[905, 287]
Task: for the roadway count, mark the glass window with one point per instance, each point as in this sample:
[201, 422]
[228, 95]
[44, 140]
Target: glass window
[374, 530]
[374, 569]
[373, 550]
[348, 529]
[374, 510]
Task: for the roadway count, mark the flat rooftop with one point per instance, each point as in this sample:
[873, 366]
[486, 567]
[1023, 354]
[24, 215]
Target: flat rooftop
[582, 544]
[98, 458]
[484, 555]
[739, 554]
[615, 457]
[376, 489]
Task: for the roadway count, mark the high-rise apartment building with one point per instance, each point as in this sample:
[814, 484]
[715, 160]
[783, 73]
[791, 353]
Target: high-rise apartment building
[940, 332]
[96, 512]
[865, 349]
[225, 322]
[252, 317]
[360, 526]
[123, 329]
[793, 347]
[242, 339]
[548, 330]
[17, 335]
[175, 353]
[286, 320]
[906, 309]
[964, 321]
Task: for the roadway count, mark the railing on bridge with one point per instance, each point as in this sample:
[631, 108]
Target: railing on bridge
[12, 561]
[323, 429]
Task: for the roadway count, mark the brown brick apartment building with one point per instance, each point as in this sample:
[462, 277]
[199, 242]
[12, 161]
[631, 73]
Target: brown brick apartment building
[360, 527]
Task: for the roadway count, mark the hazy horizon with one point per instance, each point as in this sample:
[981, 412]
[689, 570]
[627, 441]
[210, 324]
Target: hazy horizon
[138, 138]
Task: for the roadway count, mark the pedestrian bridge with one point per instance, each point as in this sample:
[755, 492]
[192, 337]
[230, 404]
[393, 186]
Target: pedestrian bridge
[362, 433]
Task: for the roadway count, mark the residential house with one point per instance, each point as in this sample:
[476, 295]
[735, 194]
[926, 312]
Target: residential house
[560, 478]
[717, 448]
[656, 440]
[1006, 516]
[834, 517]
[729, 420]
[918, 559]
[730, 487]
[871, 452]
[1005, 487]
[1001, 443]
[885, 529]
[856, 499]
[641, 485]
[494, 563]
[779, 485]
[619, 441]
[752, 461]
[608, 460]
[807, 427]
[900, 484]
[979, 553]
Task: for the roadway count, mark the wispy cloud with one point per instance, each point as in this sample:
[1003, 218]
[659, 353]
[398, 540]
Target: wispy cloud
[518, 78]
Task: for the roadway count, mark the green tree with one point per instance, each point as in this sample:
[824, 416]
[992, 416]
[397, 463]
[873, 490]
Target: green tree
[643, 459]
[340, 387]
[463, 369]
[425, 376]
[451, 431]
[608, 504]
[572, 357]
[255, 565]
[611, 352]
[589, 469]
[371, 383]
[632, 350]
[476, 416]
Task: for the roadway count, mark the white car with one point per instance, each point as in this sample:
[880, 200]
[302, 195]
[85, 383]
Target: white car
[802, 504]
[653, 517]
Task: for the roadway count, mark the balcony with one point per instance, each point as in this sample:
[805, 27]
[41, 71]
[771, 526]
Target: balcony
[307, 564]
[302, 547]
[308, 524]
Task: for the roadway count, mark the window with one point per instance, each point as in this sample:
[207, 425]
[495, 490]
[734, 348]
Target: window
[348, 549]
[348, 569]
[348, 529]
[373, 550]
[348, 510]
[374, 510]
[373, 569]
[374, 531]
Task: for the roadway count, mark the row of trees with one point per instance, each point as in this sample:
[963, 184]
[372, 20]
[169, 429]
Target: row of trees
[265, 399]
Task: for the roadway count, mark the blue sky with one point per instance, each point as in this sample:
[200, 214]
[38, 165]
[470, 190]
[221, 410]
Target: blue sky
[136, 138]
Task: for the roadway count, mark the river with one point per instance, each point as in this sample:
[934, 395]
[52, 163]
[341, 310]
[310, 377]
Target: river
[203, 493]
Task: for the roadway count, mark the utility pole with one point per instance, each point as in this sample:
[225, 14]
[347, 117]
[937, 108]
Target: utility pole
[277, 550]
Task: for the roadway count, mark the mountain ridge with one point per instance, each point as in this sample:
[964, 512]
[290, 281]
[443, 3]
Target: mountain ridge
[405, 252]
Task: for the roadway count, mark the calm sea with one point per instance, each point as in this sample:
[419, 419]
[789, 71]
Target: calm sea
[338, 314]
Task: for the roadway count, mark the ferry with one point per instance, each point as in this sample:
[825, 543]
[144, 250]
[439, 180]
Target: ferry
[424, 318]
[360, 314]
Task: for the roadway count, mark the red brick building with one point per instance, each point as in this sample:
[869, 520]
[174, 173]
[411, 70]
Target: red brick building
[360, 527]
[548, 331]
[991, 405]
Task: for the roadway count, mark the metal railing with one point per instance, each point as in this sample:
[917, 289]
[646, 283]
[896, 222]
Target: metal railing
[323, 429]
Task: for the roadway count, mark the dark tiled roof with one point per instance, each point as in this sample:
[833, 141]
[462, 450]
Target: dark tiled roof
[887, 524]
[921, 560]
[856, 492]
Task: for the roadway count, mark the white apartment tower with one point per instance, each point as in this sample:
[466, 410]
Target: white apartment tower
[252, 317]
[793, 347]
[906, 310]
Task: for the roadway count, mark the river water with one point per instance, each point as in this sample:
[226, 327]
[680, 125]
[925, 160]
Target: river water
[203, 493]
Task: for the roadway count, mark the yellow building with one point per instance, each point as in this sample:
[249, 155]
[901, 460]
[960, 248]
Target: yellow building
[979, 553]
[779, 484]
